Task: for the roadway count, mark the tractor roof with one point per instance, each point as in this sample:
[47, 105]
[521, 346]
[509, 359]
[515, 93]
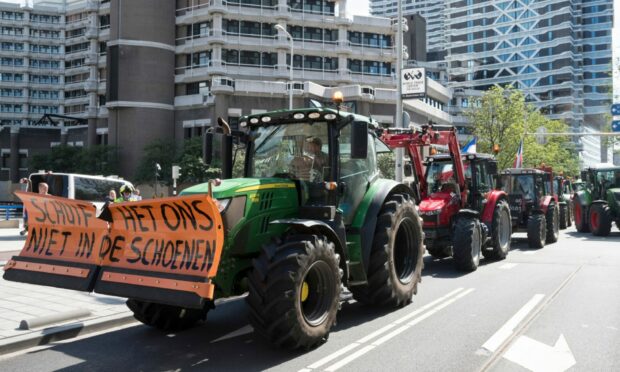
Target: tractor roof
[604, 166]
[518, 171]
[302, 115]
[443, 157]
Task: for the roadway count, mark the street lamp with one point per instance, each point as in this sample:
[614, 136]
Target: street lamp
[282, 29]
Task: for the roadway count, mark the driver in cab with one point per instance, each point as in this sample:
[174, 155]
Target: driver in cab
[309, 167]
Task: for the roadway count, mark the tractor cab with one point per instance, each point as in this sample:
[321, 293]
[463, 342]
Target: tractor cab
[533, 204]
[597, 202]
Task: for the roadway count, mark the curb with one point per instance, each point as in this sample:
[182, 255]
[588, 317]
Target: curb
[63, 332]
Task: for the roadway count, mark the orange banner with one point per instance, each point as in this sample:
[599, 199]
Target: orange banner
[62, 229]
[178, 235]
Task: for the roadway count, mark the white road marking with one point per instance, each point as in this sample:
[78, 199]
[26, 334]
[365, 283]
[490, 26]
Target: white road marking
[508, 266]
[539, 357]
[433, 307]
[530, 252]
[240, 332]
[508, 328]
[350, 358]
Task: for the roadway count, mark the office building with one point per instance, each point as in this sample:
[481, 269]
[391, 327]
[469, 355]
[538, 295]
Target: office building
[144, 70]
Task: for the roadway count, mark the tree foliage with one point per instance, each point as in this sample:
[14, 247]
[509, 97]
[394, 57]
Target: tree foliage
[501, 116]
[100, 159]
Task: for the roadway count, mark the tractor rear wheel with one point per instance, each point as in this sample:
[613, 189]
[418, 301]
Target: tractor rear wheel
[564, 217]
[537, 230]
[600, 219]
[501, 232]
[467, 243]
[165, 317]
[294, 291]
[396, 255]
[553, 223]
[581, 218]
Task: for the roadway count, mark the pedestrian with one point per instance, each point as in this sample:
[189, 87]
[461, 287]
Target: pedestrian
[43, 188]
[25, 186]
[137, 194]
[126, 194]
[111, 196]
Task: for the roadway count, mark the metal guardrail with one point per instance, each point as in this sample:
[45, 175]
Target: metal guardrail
[11, 211]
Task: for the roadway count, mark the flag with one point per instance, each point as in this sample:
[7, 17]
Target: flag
[519, 158]
[470, 148]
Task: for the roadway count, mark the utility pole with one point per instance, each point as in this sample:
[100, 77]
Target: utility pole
[398, 171]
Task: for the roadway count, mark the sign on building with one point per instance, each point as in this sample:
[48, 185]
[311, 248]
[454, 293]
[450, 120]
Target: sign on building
[615, 126]
[414, 82]
[615, 109]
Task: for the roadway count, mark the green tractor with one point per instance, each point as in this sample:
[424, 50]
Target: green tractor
[597, 205]
[311, 216]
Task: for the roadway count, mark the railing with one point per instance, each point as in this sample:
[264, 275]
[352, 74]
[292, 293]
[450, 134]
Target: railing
[12, 211]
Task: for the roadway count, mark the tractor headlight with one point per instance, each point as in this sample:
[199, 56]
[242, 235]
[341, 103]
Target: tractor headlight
[222, 204]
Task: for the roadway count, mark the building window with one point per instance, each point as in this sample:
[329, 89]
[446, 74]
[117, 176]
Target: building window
[269, 59]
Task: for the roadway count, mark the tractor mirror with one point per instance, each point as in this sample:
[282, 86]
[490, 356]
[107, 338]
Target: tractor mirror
[584, 175]
[359, 140]
[492, 168]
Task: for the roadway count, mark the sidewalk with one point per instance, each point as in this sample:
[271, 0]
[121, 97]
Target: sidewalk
[70, 313]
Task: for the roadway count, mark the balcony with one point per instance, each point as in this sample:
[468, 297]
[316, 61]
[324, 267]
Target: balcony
[193, 100]
[90, 85]
[91, 59]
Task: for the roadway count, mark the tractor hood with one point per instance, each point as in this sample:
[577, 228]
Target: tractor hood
[435, 203]
[238, 186]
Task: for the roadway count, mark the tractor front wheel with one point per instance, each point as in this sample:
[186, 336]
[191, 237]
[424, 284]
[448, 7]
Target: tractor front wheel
[600, 219]
[165, 317]
[537, 230]
[553, 224]
[467, 243]
[439, 250]
[396, 255]
[580, 216]
[294, 291]
[564, 216]
[501, 230]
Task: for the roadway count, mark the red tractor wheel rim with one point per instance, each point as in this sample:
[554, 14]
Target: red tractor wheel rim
[577, 214]
[594, 220]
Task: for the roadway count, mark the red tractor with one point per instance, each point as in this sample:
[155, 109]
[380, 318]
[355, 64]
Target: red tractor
[533, 204]
[464, 216]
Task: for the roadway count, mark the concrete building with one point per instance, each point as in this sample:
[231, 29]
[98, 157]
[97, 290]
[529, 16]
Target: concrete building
[434, 12]
[143, 70]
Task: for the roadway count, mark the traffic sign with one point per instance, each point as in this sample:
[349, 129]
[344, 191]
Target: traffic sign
[414, 82]
[615, 126]
[615, 109]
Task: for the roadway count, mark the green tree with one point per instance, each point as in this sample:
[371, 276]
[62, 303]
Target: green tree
[161, 152]
[502, 117]
[193, 168]
[99, 159]
[61, 158]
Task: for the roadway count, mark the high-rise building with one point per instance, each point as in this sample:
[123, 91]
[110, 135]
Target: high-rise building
[434, 12]
[144, 70]
[558, 52]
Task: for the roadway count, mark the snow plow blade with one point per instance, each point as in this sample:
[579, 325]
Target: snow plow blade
[163, 250]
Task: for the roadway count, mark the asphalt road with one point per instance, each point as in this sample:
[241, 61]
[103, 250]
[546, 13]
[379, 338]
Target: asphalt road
[541, 310]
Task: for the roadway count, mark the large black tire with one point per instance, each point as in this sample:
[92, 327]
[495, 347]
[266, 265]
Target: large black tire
[294, 291]
[467, 243]
[553, 223]
[537, 230]
[564, 216]
[165, 317]
[439, 250]
[501, 231]
[600, 219]
[396, 255]
[581, 216]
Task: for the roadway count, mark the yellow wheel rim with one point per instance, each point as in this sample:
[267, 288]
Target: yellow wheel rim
[304, 291]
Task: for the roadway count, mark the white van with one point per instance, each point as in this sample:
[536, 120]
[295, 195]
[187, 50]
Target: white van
[93, 189]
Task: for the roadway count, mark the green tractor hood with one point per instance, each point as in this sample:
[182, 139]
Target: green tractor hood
[236, 186]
